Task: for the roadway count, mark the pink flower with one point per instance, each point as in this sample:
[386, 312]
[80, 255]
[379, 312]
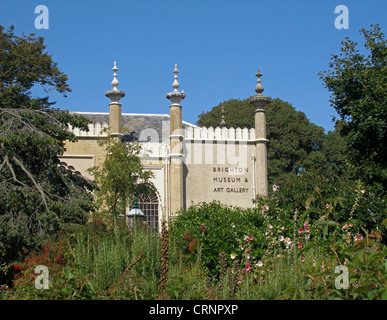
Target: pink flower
[248, 249]
[344, 227]
[203, 228]
[358, 237]
[251, 238]
[270, 226]
[264, 208]
[307, 229]
[299, 245]
[300, 230]
[305, 224]
[303, 259]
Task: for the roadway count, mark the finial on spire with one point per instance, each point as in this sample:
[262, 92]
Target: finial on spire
[115, 82]
[115, 94]
[223, 122]
[175, 84]
[259, 88]
[259, 100]
[175, 96]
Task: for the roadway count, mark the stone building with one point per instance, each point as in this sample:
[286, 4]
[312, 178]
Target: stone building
[190, 164]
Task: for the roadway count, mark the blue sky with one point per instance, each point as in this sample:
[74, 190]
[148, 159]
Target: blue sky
[217, 44]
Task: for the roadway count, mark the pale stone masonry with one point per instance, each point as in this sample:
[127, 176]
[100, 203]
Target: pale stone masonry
[190, 164]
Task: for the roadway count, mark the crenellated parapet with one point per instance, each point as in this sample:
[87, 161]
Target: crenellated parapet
[218, 133]
[95, 130]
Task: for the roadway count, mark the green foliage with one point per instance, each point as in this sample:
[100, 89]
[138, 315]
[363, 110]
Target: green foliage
[38, 195]
[212, 228]
[188, 281]
[238, 113]
[362, 260]
[321, 195]
[121, 175]
[299, 256]
[357, 83]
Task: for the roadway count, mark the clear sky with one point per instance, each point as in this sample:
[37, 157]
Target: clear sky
[217, 44]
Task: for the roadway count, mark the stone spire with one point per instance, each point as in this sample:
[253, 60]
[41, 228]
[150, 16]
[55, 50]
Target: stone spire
[260, 101]
[223, 122]
[176, 137]
[115, 95]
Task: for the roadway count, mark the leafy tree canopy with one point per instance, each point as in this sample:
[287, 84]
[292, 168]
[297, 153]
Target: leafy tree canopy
[358, 85]
[120, 177]
[37, 193]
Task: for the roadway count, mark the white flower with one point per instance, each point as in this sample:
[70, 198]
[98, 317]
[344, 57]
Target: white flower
[233, 255]
[281, 238]
[259, 263]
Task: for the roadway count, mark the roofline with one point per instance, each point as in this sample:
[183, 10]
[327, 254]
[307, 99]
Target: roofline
[133, 114]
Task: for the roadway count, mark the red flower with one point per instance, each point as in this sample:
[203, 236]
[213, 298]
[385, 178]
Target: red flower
[17, 267]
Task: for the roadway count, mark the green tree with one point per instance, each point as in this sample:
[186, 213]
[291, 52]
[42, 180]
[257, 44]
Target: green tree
[37, 194]
[121, 176]
[358, 85]
[294, 142]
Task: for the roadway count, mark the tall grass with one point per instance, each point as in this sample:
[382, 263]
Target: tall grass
[285, 271]
[105, 255]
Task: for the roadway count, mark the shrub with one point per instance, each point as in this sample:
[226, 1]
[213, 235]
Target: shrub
[213, 228]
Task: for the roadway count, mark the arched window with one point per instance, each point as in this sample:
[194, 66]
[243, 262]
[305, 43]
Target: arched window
[149, 205]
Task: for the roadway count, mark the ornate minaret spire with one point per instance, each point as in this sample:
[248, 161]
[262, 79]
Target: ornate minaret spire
[260, 101]
[115, 95]
[176, 137]
[223, 122]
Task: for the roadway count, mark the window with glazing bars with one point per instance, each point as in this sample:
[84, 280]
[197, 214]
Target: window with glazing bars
[149, 205]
